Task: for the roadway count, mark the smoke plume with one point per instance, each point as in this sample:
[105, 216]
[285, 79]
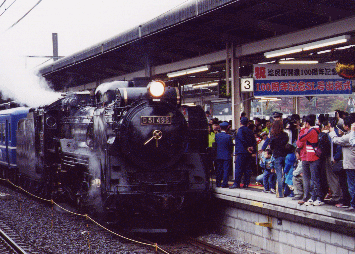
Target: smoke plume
[19, 82]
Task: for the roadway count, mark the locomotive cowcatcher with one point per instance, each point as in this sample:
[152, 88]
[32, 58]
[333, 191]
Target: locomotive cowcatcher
[131, 154]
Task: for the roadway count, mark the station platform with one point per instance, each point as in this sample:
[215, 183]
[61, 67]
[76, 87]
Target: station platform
[281, 225]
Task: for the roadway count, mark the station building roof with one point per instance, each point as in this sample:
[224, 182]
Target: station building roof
[194, 29]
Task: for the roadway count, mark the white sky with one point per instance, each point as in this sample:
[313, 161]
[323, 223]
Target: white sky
[79, 24]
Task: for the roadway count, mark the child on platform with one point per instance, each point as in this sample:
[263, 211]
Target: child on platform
[267, 163]
[298, 177]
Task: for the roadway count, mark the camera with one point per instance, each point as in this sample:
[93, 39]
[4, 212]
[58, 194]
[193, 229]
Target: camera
[290, 123]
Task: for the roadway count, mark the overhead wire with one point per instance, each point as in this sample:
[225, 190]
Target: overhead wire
[2, 3]
[24, 15]
[42, 63]
[7, 7]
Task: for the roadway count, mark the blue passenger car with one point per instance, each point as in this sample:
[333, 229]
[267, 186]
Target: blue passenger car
[9, 119]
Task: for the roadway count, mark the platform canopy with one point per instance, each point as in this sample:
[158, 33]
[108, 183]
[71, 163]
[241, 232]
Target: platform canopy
[195, 29]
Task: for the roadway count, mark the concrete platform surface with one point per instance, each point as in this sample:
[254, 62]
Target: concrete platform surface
[285, 208]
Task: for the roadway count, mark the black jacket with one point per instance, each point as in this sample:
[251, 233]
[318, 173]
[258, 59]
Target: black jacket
[245, 138]
[278, 145]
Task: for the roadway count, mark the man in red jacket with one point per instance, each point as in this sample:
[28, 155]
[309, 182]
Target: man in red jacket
[303, 156]
[312, 163]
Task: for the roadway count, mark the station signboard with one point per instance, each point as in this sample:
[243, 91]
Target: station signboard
[247, 84]
[299, 80]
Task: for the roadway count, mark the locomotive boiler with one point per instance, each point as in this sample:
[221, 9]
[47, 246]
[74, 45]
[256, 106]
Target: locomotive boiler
[131, 154]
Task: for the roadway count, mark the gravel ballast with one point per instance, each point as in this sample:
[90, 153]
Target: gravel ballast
[49, 229]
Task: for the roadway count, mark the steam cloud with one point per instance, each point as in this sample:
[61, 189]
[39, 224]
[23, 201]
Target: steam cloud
[19, 83]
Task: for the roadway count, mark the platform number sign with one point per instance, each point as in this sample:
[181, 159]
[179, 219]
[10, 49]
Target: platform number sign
[247, 84]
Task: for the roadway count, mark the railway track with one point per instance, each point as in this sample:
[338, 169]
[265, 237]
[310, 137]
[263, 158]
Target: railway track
[190, 245]
[11, 243]
[208, 247]
[87, 236]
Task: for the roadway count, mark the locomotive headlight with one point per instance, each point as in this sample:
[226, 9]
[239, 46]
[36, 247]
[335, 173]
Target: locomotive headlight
[156, 88]
[96, 182]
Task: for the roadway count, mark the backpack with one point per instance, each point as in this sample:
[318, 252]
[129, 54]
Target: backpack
[323, 147]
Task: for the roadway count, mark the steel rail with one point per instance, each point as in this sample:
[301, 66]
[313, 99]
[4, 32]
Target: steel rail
[199, 244]
[14, 246]
[208, 247]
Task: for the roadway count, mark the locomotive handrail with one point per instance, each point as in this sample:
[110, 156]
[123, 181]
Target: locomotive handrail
[157, 248]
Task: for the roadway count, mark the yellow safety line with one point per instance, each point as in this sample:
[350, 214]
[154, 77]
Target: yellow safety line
[155, 246]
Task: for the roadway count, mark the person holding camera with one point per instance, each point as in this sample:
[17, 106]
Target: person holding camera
[329, 180]
[292, 126]
[348, 156]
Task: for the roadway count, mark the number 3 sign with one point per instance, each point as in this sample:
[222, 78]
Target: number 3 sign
[247, 84]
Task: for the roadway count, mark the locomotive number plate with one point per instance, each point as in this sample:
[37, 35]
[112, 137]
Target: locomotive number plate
[147, 120]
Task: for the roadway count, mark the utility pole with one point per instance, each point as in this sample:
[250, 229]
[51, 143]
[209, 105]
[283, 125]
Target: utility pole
[55, 56]
[55, 46]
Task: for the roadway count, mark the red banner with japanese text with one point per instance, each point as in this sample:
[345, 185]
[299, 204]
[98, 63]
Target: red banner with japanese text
[299, 80]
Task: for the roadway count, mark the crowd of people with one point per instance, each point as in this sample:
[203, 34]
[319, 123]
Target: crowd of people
[310, 159]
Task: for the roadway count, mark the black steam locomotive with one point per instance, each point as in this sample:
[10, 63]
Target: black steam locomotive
[132, 154]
